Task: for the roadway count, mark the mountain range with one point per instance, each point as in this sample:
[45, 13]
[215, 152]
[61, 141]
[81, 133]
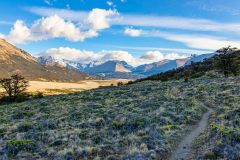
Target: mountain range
[15, 60]
[55, 69]
[121, 69]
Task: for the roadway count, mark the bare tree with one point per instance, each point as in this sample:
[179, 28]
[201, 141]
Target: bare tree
[14, 85]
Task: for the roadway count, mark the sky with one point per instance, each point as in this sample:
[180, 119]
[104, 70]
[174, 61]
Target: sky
[137, 31]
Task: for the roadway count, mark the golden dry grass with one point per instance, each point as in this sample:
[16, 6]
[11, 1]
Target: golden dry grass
[53, 88]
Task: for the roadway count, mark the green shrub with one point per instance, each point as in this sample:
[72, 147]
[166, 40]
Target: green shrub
[120, 84]
[97, 139]
[39, 95]
[130, 82]
[3, 131]
[37, 136]
[210, 156]
[76, 116]
[22, 114]
[15, 146]
[57, 143]
[211, 74]
[22, 97]
[116, 125]
[83, 134]
[138, 123]
[24, 127]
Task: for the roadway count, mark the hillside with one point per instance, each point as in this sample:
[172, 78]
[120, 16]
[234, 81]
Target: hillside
[110, 123]
[197, 68]
[158, 67]
[14, 60]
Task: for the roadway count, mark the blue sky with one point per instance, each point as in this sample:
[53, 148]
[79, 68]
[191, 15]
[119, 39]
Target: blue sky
[138, 31]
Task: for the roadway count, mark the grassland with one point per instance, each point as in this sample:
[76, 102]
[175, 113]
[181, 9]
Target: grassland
[54, 88]
[221, 140]
[144, 120]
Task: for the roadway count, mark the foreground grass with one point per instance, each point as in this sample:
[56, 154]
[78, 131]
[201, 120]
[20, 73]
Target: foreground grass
[221, 140]
[142, 120]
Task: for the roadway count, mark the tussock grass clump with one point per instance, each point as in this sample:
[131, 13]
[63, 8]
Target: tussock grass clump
[15, 146]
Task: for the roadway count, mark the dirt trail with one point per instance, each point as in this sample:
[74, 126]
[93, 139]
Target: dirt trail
[184, 148]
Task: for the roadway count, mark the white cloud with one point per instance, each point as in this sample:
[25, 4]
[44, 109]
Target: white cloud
[132, 32]
[85, 57]
[195, 24]
[20, 33]
[100, 18]
[68, 6]
[177, 23]
[195, 41]
[119, 55]
[49, 2]
[211, 6]
[2, 36]
[158, 56]
[174, 50]
[110, 3]
[204, 42]
[5, 23]
[56, 27]
[67, 53]
[46, 28]
[72, 15]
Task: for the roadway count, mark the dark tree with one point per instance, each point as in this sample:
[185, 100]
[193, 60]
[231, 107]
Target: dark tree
[120, 84]
[227, 61]
[14, 85]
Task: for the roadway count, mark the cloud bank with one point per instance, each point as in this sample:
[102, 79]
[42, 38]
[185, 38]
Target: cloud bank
[56, 27]
[203, 26]
[194, 24]
[205, 42]
[85, 57]
[158, 56]
[80, 25]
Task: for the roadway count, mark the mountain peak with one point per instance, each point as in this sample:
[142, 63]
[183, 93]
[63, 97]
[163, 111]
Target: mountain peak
[19, 61]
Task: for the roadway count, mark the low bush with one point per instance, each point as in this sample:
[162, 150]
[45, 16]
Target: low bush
[22, 114]
[24, 127]
[38, 95]
[15, 146]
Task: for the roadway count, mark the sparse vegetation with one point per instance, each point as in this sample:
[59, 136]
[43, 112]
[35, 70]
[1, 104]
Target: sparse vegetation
[14, 86]
[221, 139]
[144, 119]
[228, 63]
[119, 83]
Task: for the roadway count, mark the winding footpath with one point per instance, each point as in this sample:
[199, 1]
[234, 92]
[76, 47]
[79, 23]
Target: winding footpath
[184, 148]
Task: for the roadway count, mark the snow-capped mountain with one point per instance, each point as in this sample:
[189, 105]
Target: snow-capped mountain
[110, 67]
[121, 69]
[158, 67]
[199, 58]
[166, 65]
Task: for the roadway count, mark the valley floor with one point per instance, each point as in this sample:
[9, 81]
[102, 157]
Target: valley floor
[54, 88]
[145, 120]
